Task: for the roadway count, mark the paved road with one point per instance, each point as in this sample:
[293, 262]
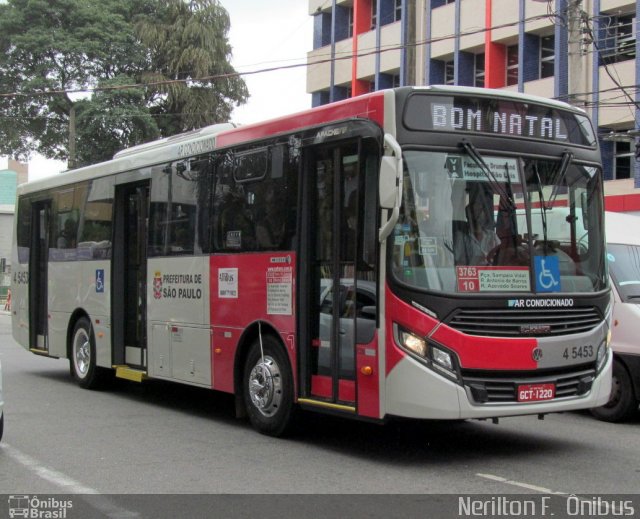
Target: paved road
[165, 438]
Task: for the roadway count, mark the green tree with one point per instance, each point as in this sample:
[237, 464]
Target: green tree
[50, 48]
[188, 41]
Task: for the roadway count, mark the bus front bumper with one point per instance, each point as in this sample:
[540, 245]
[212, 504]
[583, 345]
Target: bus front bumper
[415, 391]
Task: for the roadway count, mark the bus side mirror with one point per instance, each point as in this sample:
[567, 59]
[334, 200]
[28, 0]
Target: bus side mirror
[388, 186]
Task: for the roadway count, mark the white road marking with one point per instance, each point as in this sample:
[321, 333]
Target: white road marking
[521, 484]
[594, 506]
[68, 484]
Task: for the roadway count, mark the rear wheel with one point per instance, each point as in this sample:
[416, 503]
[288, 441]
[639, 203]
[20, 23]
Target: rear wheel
[82, 362]
[268, 387]
[622, 403]
[1, 425]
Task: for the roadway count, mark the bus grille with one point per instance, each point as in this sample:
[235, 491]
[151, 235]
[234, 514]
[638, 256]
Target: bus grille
[510, 322]
[502, 387]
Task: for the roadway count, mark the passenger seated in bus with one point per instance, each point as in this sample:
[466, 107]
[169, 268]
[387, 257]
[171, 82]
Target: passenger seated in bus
[237, 227]
[270, 223]
[473, 243]
[67, 236]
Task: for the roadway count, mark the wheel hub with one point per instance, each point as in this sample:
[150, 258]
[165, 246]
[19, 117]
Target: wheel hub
[82, 353]
[265, 386]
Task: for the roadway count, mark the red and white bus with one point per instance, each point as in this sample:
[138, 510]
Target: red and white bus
[435, 253]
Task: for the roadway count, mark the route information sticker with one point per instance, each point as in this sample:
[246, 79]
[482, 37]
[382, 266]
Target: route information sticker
[279, 290]
[493, 279]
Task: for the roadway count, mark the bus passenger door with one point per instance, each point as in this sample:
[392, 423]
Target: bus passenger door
[38, 275]
[129, 268]
[338, 293]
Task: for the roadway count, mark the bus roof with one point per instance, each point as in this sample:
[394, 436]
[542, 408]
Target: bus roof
[216, 136]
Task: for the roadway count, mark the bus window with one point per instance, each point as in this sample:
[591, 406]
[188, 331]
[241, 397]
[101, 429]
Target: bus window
[24, 230]
[65, 223]
[252, 205]
[94, 234]
[172, 220]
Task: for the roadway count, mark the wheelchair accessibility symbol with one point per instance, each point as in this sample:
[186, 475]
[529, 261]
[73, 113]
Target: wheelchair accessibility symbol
[547, 269]
[100, 280]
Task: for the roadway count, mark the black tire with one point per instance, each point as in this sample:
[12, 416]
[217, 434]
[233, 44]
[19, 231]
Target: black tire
[82, 357]
[622, 403]
[268, 388]
[1, 426]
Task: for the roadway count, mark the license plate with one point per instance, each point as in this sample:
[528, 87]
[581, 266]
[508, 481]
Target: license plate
[536, 392]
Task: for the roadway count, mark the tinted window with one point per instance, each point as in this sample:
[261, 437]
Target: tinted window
[173, 213]
[94, 236]
[258, 212]
[24, 229]
[66, 207]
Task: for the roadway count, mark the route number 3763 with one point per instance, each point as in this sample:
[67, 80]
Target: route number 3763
[578, 352]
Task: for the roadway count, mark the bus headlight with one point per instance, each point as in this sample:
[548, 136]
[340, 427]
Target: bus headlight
[412, 342]
[434, 356]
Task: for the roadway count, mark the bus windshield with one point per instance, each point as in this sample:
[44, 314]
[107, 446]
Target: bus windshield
[489, 223]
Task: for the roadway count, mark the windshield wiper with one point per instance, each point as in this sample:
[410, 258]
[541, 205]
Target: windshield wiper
[477, 158]
[567, 158]
[543, 208]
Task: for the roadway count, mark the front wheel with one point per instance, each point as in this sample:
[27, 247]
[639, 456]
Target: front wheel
[82, 362]
[622, 403]
[268, 387]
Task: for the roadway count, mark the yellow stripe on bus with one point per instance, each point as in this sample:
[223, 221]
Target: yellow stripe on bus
[320, 403]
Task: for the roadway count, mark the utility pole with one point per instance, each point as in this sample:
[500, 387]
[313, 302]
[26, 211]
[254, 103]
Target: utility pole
[579, 42]
[411, 42]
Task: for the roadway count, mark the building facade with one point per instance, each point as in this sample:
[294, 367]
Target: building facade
[581, 51]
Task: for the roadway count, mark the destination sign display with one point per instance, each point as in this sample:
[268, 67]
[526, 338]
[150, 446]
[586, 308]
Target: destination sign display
[508, 117]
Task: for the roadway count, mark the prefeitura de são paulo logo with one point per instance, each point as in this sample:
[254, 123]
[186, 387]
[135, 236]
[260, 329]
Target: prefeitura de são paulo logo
[157, 285]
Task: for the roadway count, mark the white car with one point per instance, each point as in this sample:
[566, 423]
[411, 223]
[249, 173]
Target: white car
[623, 255]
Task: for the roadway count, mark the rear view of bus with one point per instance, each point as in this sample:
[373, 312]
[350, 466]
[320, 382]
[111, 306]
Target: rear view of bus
[497, 300]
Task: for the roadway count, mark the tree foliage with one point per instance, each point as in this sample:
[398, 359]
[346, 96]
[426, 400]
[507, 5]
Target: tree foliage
[50, 48]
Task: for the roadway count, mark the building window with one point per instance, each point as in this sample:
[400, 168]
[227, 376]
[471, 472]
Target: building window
[547, 56]
[397, 12]
[512, 65]
[350, 22]
[619, 43]
[623, 161]
[374, 14]
[449, 73]
[478, 75]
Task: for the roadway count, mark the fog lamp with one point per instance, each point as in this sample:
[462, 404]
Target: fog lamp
[442, 358]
